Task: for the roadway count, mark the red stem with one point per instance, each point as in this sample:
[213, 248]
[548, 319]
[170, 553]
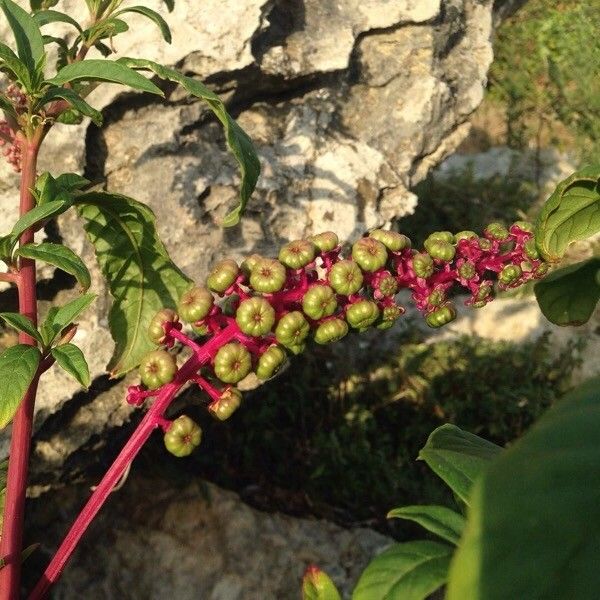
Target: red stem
[14, 508]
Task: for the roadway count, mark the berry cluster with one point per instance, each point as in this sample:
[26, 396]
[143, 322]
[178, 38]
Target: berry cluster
[266, 308]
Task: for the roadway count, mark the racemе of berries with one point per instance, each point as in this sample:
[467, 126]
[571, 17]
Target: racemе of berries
[253, 315]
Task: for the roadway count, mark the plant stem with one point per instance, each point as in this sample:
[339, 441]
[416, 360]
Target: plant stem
[14, 508]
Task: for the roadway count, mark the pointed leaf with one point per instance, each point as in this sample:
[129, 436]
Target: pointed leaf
[440, 520]
[44, 17]
[317, 585]
[18, 366]
[78, 103]
[60, 256]
[22, 323]
[152, 15]
[141, 276]
[36, 215]
[170, 4]
[104, 70]
[409, 571]
[11, 61]
[458, 457]
[533, 528]
[70, 358]
[59, 318]
[71, 182]
[238, 141]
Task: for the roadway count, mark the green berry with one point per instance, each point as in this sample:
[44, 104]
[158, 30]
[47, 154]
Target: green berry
[441, 316]
[370, 254]
[297, 348]
[297, 254]
[232, 362]
[389, 316]
[345, 277]
[509, 274]
[292, 329]
[270, 362]
[156, 331]
[392, 240]
[440, 250]
[467, 270]
[484, 292]
[222, 276]
[541, 270]
[496, 231]
[319, 302]
[524, 226]
[422, 265]
[388, 285]
[441, 236]
[485, 244]
[331, 330]
[464, 235]
[436, 298]
[268, 276]
[249, 263]
[195, 304]
[182, 437]
[362, 314]
[325, 241]
[226, 405]
[255, 316]
[157, 368]
[530, 249]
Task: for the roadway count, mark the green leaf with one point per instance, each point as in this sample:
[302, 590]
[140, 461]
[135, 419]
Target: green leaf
[440, 520]
[104, 70]
[107, 28]
[22, 323]
[152, 15]
[409, 571]
[11, 61]
[6, 246]
[533, 529]
[44, 17]
[170, 4]
[458, 457]
[141, 276]
[71, 359]
[18, 366]
[571, 213]
[60, 256]
[59, 318]
[570, 295]
[78, 103]
[317, 585]
[71, 182]
[238, 141]
[30, 45]
[36, 215]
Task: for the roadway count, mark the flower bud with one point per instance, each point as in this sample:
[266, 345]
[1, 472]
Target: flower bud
[389, 316]
[156, 330]
[436, 298]
[222, 276]
[345, 277]
[157, 368]
[370, 254]
[440, 250]
[226, 405]
[525, 226]
[387, 285]
[509, 274]
[422, 265]
[319, 302]
[255, 316]
[392, 240]
[541, 269]
[464, 235]
[270, 362]
[232, 362]
[297, 254]
[485, 244]
[467, 270]
[441, 316]
[195, 304]
[362, 314]
[268, 276]
[483, 293]
[292, 329]
[530, 249]
[496, 231]
[325, 241]
[182, 437]
[331, 330]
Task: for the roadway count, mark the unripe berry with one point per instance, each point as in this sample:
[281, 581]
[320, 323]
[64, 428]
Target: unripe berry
[422, 265]
[541, 269]
[226, 405]
[297, 348]
[319, 302]
[388, 285]
[440, 250]
[389, 315]
[325, 241]
[467, 270]
[464, 235]
[345, 277]
[249, 263]
[270, 362]
[370, 254]
[297, 254]
[331, 330]
[436, 298]
[484, 292]
[496, 231]
[440, 236]
[509, 274]
[292, 329]
[156, 331]
[530, 249]
[182, 437]
[255, 316]
[268, 276]
[222, 276]
[523, 226]
[362, 314]
[195, 304]
[485, 244]
[441, 316]
[392, 240]
[232, 362]
[157, 368]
